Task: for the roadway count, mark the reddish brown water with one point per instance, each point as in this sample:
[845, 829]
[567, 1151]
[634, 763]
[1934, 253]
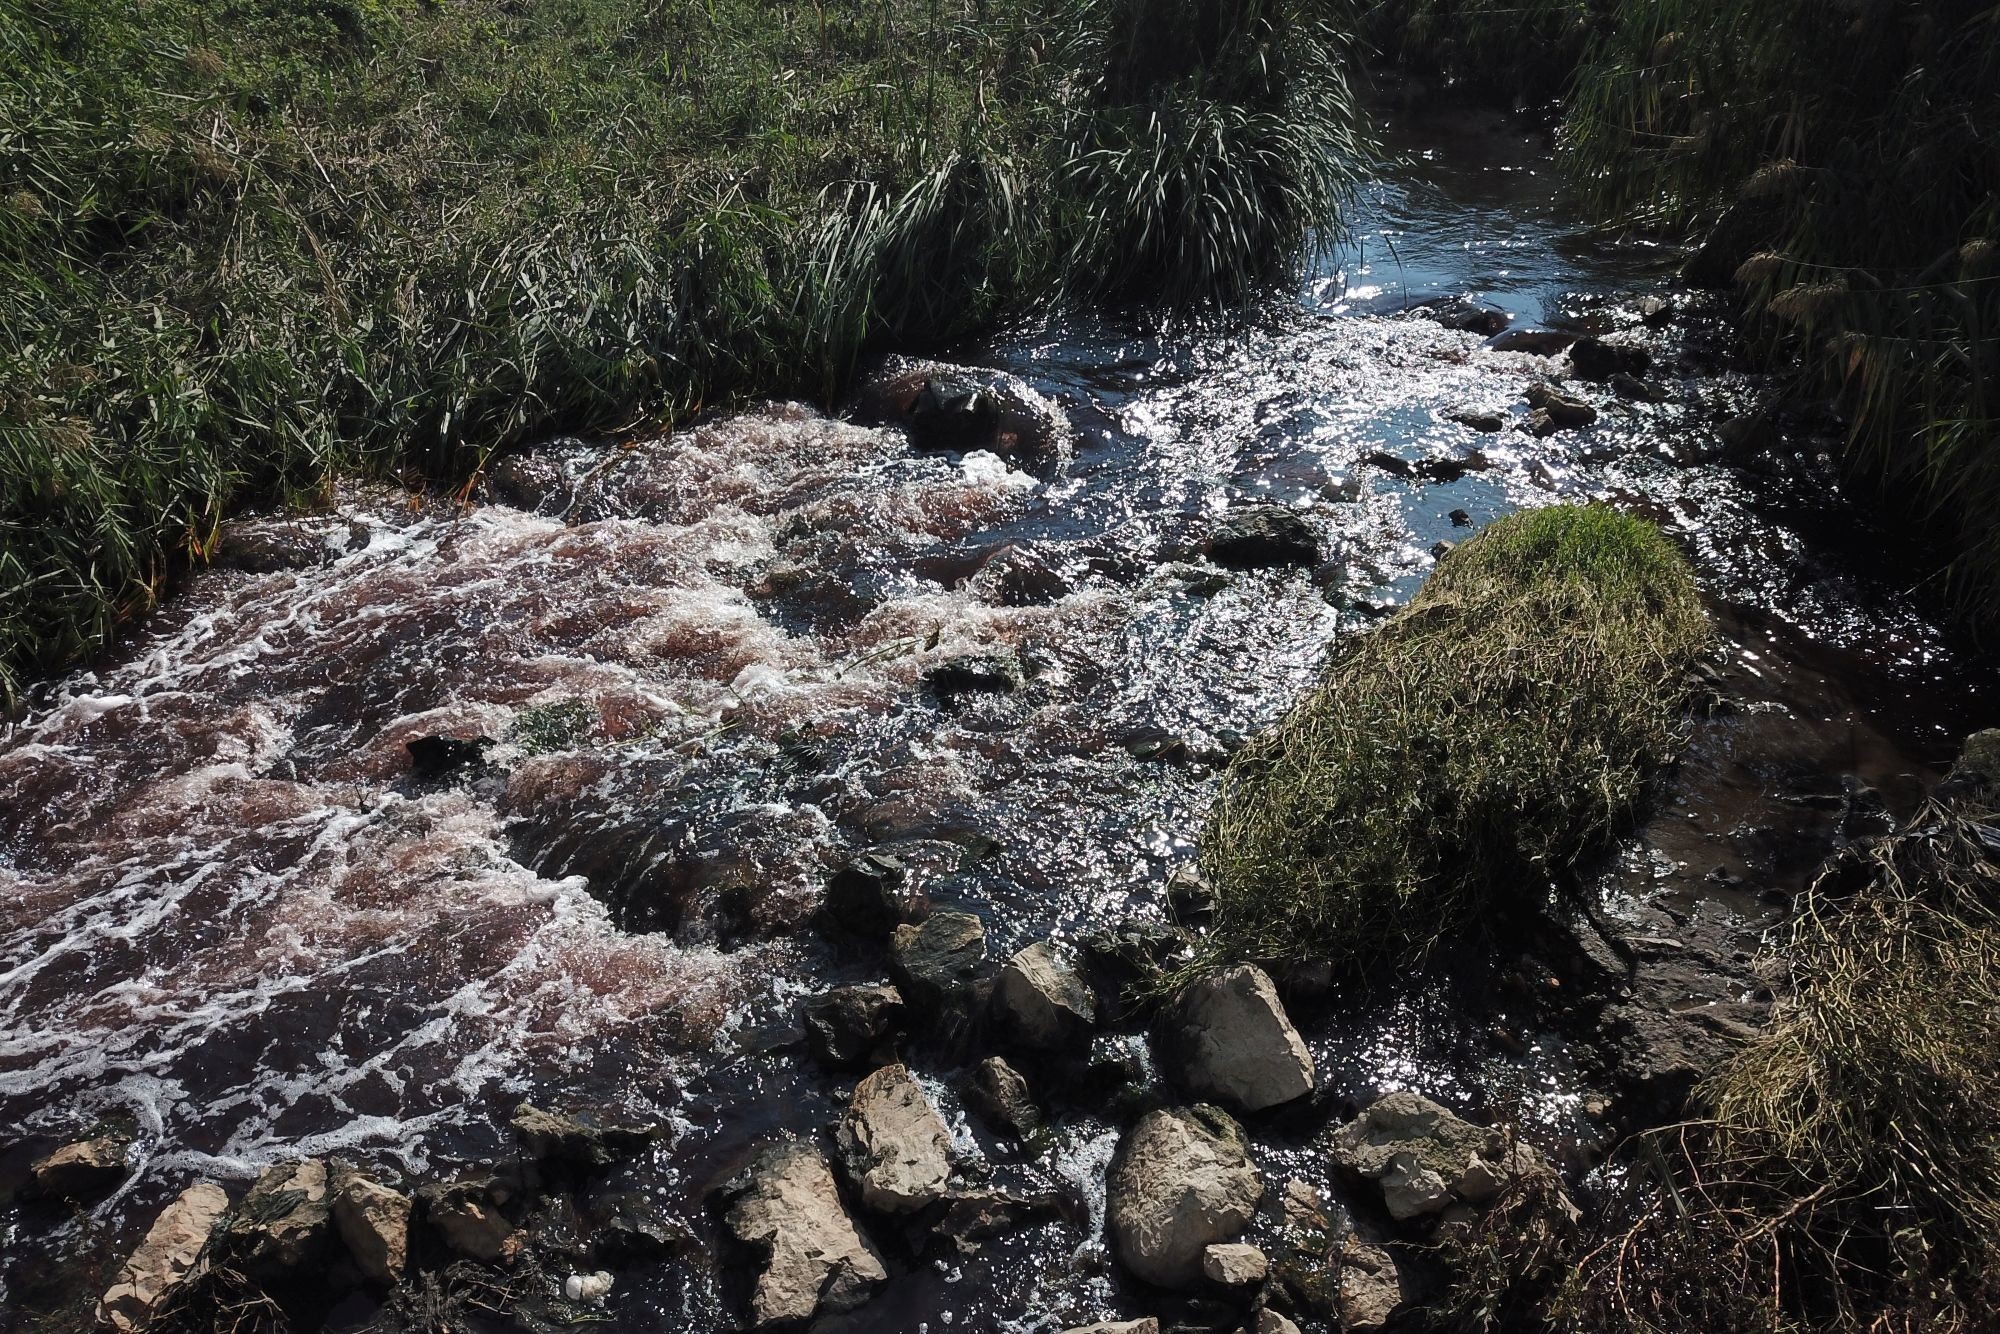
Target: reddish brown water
[228, 911]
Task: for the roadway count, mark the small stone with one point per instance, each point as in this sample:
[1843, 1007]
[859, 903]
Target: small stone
[1410, 1190]
[1596, 359]
[374, 1224]
[169, 1254]
[975, 674]
[937, 962]
[580, 1139]
[86, 1170]
[284, 1223]
[1147, 1325]
[1371, 1287]
[848, 1025]
[1042, 999]
[467, 1218]
[893, 1144]
[1460, 519]
[1561, 411]
[976, 1217]
[1270, 1322]
[1235, 1043]
[1638, 390]
[1190, 896]
[1000, 1094]
[1478, 419]
[1235, 1264]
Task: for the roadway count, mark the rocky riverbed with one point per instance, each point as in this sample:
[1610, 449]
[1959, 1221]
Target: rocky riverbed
[714, 879]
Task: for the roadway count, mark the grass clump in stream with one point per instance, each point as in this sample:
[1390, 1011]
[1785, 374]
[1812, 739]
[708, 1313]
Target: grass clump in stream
[247, 248]
[1849, 1177]
[1467, 752]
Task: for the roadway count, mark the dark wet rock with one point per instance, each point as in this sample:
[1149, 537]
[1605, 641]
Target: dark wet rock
[1183, 1181]
[1190, 896]
[1233, 1043]
[1135, 947]
[268, 546]
[1534, 342]
[373, 1221]
[1478, 419]
[1551, 410]
[952, 413]
[938, 962]
[1460, 519]
[1424, 1159]
[1468, 317]
[1596, 359]
[1000, 1094]
[1631, 387]
[893, 1145]
[1042, 1001]
[812, 1258]
[170, 1253]
[975, 674]
[1443, 547]
[1653, 310]
[1451, 469]
[536, 482]
[867, 895]
[86, 1170]
[1156, 745]
[975, 1217]
[582, 1139]
[1118, 1073]
[283, 1227]
[1017, 576]
[467, 1217]
[438, 756]
[964, 408]
[1235, 1264]
[1746, 437]
[629, 1226]
[1392, 464]
[1263, 536]
[849, 1026]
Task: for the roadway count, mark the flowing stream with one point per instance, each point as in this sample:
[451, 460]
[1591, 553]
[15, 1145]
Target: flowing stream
[231, 914]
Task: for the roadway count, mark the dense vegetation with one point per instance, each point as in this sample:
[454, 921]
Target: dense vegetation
[1849, 1177]
[1841, 161]
[250, 246]
[1467, 752]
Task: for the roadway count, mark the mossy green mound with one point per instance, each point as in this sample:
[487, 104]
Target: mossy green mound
[1466, 752]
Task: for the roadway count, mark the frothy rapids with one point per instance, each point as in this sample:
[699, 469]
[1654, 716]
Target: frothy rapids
[711, 663]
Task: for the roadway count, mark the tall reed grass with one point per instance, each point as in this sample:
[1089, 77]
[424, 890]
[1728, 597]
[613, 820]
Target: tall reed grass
[242, 256]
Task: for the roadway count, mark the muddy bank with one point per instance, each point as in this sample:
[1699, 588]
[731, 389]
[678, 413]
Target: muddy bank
[717, 666]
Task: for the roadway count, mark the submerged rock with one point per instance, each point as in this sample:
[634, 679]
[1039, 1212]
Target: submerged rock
[579, 1139]
[1234, 1043]
[1478, 419]
[813, 1258]
[975, 674]
[1260, 536]
[938, 962]
[437, 756]
[86, 1170]
[1596, 359]
[1043, 1001]
[1000, 1093]
[374, 1225]
[1423, 1158]
[1552, 411]
[1468, 316]
[847, 1026]
[893, 1144]
[284, 1224]
[1182, 1182]
[167, 1256]
[866, 894]
[950, 413]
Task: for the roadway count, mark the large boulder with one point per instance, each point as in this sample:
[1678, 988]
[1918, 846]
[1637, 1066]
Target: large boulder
[86, 1170]
[1043, 1001]
[374, 1224]
[848, 1025]
[813, 1259]
[1234, 1043]
[284, 1225]
[893, 1144]
[1257, 536]
[1424, 1159]
[938, 962]
[169, 1254]
[1183, 1181]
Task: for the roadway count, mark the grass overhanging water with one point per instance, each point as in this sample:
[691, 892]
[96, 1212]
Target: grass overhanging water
[248, 249]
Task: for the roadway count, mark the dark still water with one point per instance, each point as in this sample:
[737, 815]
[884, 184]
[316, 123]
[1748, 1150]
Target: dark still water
[230, 913]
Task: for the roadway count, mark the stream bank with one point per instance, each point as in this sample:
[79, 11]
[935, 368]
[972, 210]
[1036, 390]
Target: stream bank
[717, 667]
